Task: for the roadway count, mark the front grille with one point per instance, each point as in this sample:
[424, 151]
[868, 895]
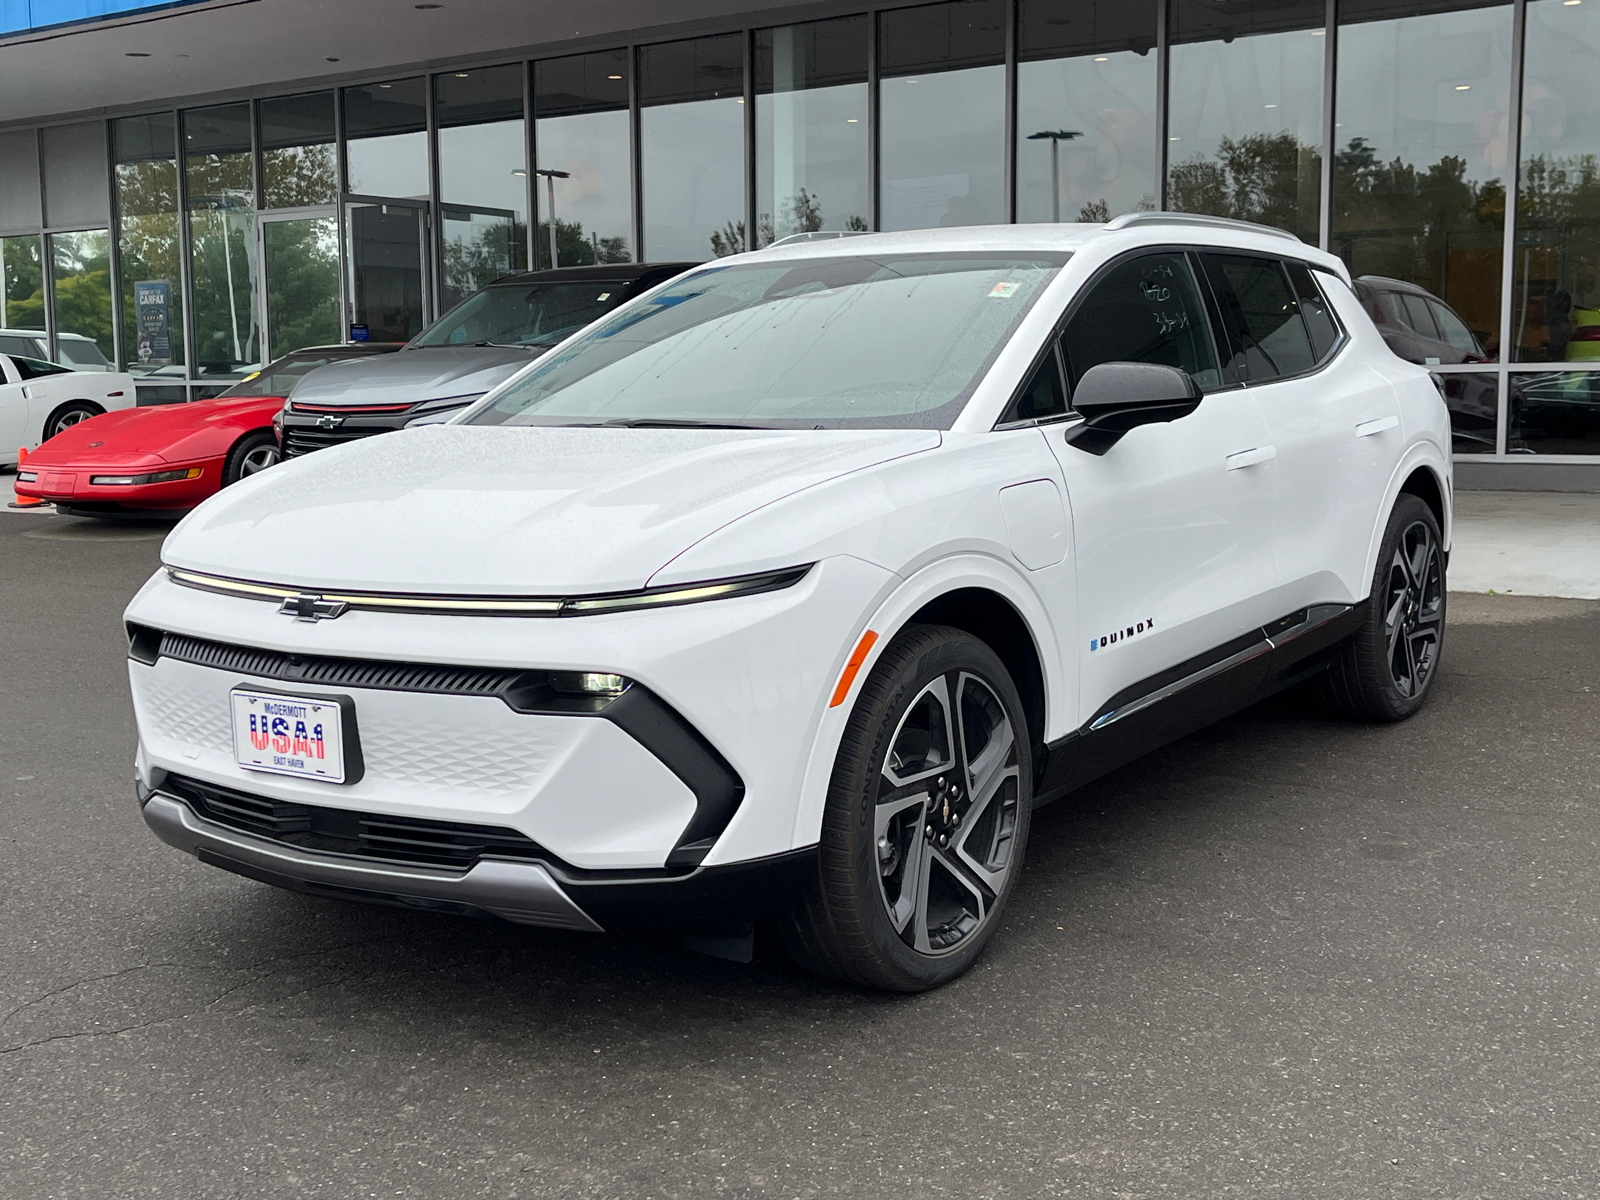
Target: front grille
[340, 672]
[343, 831]
[304, 441]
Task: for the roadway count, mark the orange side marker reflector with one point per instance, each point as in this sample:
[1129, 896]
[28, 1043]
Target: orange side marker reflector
[859, 656]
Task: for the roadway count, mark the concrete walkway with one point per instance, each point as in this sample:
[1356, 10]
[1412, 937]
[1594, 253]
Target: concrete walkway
[1527, 544]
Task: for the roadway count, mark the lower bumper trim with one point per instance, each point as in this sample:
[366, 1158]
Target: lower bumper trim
[522, 892]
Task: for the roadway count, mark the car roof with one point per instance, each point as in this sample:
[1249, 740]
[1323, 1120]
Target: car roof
[1383, 283]
[622, 272]
[1129, 231]
[39, 333]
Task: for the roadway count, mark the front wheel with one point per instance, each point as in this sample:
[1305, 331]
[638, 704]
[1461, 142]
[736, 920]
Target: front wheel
[1387, 670]
[926, 818]
[254, 452]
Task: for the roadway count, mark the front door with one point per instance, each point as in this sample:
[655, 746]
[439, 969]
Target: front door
[299, 254]
[388, 252]
[1172, 525]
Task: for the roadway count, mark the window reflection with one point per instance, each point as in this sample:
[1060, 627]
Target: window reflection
[385, 126]
[692, 148]
[483, 178]
[1419, 173]
[941, 105]
[80, 275]
[145, 177]
[1086, 98]
[22, 300]
[580, 108]
[222, 238]
[1245, 98]
[1556, 277]
[299, 166]
[811, 128]
[1556, 412]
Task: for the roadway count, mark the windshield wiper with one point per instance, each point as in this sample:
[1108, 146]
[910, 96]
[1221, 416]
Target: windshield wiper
[667, 423]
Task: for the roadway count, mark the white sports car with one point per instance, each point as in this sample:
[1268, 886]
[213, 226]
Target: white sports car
[39, 399]
[790, 588]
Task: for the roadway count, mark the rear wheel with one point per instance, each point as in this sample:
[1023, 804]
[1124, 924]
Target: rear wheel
[1387, 670]
[254, 452]
[69, 415]
[926, 818]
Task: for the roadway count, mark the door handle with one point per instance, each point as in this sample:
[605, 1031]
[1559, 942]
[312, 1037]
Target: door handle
[1368, 428]
[1249, 458]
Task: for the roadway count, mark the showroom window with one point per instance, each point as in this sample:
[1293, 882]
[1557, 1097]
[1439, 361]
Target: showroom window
[581, 134]
[483, 178]
[1086, 109]
[386, 139]
[1245, 104]
[691, 148]
[21, 265]
[941, 115]
[149, 251]
[220, 187]
[299, 161]
[80, 277]
[811, 128]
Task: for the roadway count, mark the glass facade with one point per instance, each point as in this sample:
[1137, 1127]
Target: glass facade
[1446, 149]
[584, 185]
[691, 148]
[941, 100]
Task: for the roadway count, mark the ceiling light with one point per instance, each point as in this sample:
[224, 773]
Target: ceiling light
[1172, 139]
[613, 76]
[519, 171]
[1319, 33]
[1571, 3]
[463, 75]
[1103, 58]
[1463, 87]
[1270, 106]
[851, 120]
[386, 85]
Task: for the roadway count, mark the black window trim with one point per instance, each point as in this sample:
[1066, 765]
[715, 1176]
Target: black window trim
[1339, 343]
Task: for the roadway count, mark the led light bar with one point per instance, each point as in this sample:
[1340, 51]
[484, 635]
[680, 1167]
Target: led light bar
[505, 606]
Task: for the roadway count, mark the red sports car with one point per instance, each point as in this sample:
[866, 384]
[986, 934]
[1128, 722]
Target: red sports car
[168, 458]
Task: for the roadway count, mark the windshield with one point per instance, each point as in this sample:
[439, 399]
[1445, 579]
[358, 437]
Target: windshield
[279, 378]
[890, 342]
[524, 315]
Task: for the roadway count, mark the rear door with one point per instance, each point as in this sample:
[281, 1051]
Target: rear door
[1333, 422]
[1173, 529]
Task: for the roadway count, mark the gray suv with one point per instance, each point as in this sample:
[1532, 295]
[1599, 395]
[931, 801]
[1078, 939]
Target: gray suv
[481, 342]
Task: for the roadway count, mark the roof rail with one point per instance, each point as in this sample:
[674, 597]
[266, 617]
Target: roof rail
[820, 235]
[1176, 218]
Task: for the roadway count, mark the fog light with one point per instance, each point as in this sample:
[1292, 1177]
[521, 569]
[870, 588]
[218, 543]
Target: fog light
[588, 683]
[27, 476]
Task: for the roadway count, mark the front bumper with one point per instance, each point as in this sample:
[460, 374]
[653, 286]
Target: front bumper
[68, 487]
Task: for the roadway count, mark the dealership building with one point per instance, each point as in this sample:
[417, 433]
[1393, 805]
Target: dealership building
[200, 187]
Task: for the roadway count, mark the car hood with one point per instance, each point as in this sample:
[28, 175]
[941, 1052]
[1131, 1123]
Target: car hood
[468, 510]
[161, 433]
[412, 376]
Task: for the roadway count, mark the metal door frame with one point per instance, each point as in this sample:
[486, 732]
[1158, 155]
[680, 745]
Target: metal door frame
[273, 216]
[425, 246]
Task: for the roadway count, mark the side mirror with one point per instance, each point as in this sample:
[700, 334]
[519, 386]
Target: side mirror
[1116, 397]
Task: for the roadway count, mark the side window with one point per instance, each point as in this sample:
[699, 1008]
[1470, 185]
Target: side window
[34, 368]
[1262, 316]
[1418, 316]
[1145, 310]
[1042, 396]
[1316, 310]
[11, 344]
[1454, 330]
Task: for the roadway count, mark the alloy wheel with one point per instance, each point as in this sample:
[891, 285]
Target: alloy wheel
[1414, 610]
[946, 813]
[258, 459]
[73, 416]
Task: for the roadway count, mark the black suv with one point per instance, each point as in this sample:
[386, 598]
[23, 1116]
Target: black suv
[480, 343]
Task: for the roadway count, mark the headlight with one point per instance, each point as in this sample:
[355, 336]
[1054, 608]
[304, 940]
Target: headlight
[154, 477]
[588, 683]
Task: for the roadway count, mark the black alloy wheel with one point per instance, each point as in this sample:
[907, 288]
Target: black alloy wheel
[1388, 668]
[926, 820]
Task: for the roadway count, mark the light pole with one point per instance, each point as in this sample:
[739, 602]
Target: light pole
[1056, 136]
[550, 178]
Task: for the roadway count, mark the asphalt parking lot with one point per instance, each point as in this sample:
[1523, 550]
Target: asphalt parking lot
[1287, 957]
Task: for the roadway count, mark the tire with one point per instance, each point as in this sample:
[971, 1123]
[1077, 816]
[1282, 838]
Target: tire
[69, 415]
[253, 452]
[913, 875]
[1387, 670]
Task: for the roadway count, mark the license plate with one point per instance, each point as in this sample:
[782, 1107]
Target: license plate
[289, 735]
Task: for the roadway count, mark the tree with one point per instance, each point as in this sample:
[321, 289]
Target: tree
[1269, 178]
[578, 249]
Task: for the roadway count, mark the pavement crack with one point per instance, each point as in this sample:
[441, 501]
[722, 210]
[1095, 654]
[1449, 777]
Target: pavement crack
[61, 991]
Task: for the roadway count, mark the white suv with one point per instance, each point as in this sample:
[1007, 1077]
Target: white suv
[791, 587]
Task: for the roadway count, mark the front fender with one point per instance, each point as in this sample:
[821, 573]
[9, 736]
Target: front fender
[892, 614]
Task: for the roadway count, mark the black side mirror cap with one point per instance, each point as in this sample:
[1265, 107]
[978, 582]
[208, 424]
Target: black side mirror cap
[1116, 397]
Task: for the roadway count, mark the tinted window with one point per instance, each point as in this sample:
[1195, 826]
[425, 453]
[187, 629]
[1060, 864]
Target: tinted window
[1144, 310]
[1043, 395]
[1262, 316]
[82, 354]
[542, 314]
[279, 378]
[36, 368]
[1453, 330]
[17, 345]
[1417, 315]
[1315, 309]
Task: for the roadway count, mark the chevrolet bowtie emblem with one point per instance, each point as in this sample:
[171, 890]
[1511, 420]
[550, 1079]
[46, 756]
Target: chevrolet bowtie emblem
[329, 422]
[312, 608]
